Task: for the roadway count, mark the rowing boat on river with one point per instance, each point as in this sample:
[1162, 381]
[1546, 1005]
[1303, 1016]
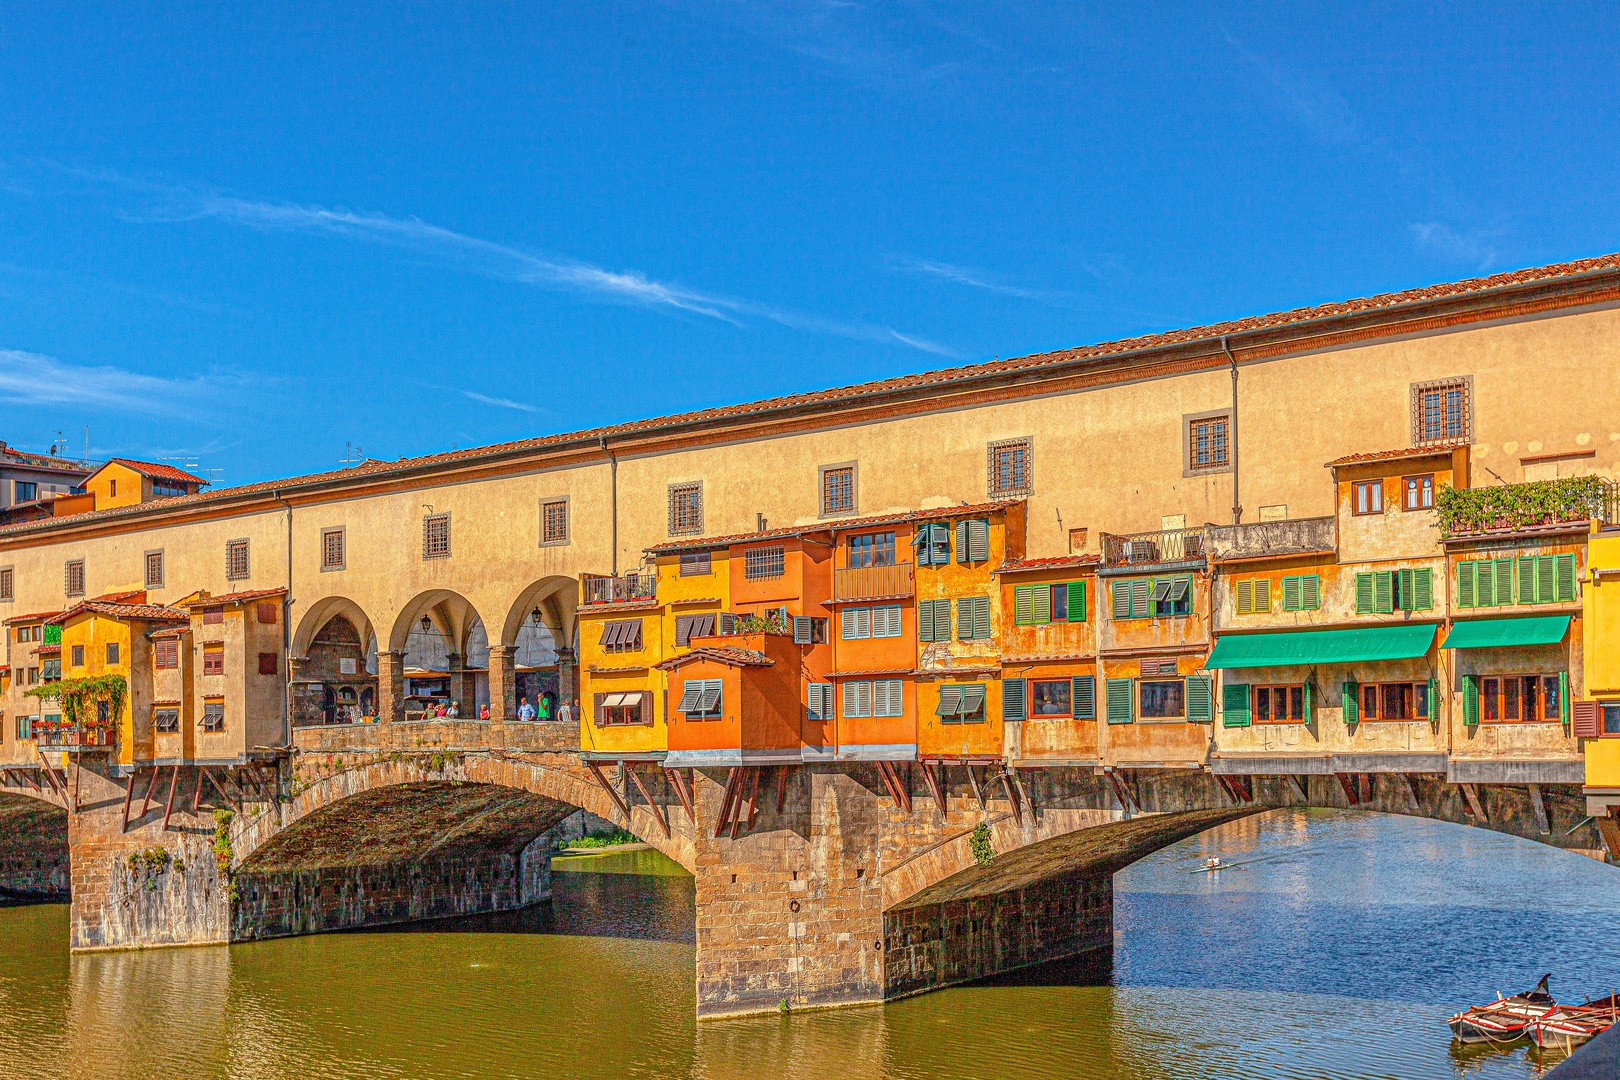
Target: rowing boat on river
[1506, 1018]
[1570, 1024]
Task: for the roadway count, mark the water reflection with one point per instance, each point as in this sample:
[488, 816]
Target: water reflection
[1334, 951]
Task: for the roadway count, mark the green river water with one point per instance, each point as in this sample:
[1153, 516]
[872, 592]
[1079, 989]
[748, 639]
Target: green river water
[1335, 953]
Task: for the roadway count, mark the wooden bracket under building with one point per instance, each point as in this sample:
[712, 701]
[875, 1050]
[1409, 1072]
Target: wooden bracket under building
[657, 811]
[1012, 798]
[674, 777]
[1126, 803]
[1474, 805]
[168, 806]
[934, 788]
[1348, 782]
[724, 817]
[129, 796]
[1538, 808]
[1297, 784]
[897, 789]
[973, 782]
[781, 787]
[596, 771]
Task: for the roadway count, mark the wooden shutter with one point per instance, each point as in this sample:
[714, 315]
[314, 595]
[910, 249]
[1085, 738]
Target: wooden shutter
[1200, 699]
[1565, 578]
[961, 541]
[1403, 589]
[1433, 690]
[801, 630]
[1384, 592]
[1023, 605]
[596, 708]
[1310, 592]
[1119, 704]
[1290, 590]
[1364, 594]
[925, 620]
[1139, 597]
[978, 540]
[1309, 694]
[847, 619]
[942, 620]
[1120, 591]
[1421, 597]
[964, 618]
[1262, 594]
[950, 702]
[1350, 701]
[1471, 699]
[939, 537]
[851, 699]
[1465, 584]
[1083, 697]
[1545, 579]
[1245, 597]
[1489, 576]
[1584, 722]
[1563, 696]
[683, 630]
[863, 697]
[919, 540]
[1235, 705]
[1527, 579]
[1077, 601]
[891, 624]
[1041, 604]
[981, 616]
[1502, 571]
[1012, 699]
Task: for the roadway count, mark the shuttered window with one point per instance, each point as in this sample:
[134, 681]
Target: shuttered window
[972, 618]
[1235, 705]
[621, 635]
[933, 544]
[166, 653]
[1302, 592]
[701, 698]
[1012, 699]
[1119, 701]
[857, 623]
[1035, 605]
[1547, 579]
[267, 663]
[1200, 699]
[857, 698]
[819, 701]
[166, 720]
[1383, 592]
[213, 716]
[934, 620]
[213, 660]
[265, 613]
[1254, 596]
[874, 622]
[1084, 691]
[695, 563]
[886, 621]
[972, 541]
[961, 704]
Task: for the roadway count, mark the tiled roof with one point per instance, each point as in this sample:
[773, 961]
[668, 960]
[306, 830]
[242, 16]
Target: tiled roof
[47, 648]
[648, 604]
[150, 612]
[836, 525]
[869, 674]
[945, 376]
[169, 632]
[231, 598]
[1043, 658]
[137, 596]
[1060, 562]
[694, 600]
[1396, 455]
[155, 471]
[722, 654]
[44, 616]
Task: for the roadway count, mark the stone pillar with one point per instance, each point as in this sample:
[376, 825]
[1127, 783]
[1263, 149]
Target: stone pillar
[390, 687]
[502, 684]
[463, 687]
[567, 678]
[305, 695]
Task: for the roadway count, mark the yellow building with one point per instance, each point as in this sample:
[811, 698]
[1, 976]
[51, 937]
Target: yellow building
[125, 482]
[109, 636]
[1597, 719]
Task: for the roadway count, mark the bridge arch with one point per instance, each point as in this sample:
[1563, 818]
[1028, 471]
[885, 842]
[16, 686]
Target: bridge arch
[34, 859]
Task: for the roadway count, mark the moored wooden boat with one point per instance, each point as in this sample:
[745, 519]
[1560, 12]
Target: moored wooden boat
[1506, 1018]
[1568, 1025]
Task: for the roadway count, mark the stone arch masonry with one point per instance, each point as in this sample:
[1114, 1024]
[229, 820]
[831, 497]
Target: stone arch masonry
[828, 891]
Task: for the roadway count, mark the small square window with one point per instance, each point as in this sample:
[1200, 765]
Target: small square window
[74, 578]
[213, 660]
[1418, 492]
[112, 652]
[1207, 444]
[436, 536]
[685, 509]
[1442, 411]
[266, 613]
[1367, 497]
[553, 522]
[1010, 468]
[267, 663]
[696, 563]
[6, 587]
[154, 569]
[166, 721]
[1077, 541]
[236, 560]
[214, 616]
[837, 490]
[332, 552]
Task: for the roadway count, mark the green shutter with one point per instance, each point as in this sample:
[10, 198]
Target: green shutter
[1235, 705]
[1121, 593]
[1291, 593]
[1544, 579]
[1310, 703]
[1245, 597]
[1471, 700]
[1364, 594]
[964, 618]
[1563, 696]
[1434, 700]
[1504, 582]
[1465, 584]
[1083, 700]
[925, 620]
[1527, 579]
[1565, 578]
[1422, 595]
[1012, 699]
[981, 616]
[1403, 581]
[1310, 592]
[1490, 576]
[979, 540]
[1384, 591]
[1077, 601]
[1262, 595]
[1139, 597]
[1200, 703]
[1350, 701]
[1023, 605]
[961, 541]
[1042, 608]
[1118, 693]
[942, 620]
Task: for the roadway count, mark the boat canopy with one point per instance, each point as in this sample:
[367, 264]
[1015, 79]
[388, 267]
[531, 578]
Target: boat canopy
[1496, 633]
[1322, 646]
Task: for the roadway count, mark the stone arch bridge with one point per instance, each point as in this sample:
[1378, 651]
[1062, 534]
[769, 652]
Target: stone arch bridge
[818, 885]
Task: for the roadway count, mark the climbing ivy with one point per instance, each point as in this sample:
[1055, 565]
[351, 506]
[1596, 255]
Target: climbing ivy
[77, 694]
[1513, 506]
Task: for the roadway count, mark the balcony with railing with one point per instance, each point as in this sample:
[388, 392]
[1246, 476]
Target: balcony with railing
[625, 589]
[874, 582]
[1297, 536]
[1167, 546]
[1534, 506]
[63, 734]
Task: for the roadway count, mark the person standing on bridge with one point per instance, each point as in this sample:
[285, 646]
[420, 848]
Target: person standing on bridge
[525, 711]
[565, 712]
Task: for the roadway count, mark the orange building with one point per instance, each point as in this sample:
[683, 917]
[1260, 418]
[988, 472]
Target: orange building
[1049, 660]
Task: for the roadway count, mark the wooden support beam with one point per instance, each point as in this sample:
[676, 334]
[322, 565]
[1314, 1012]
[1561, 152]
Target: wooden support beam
[973, 782]
[1538, 808]
[1125, 801]
[146, 803]
[753, 796]
[1609, 829]
[1012, 798]
[888, 782]
[781, 788]
[902, 790]
[1023, 794]
[674, 778]
[595, 768]
[1474, 805]
[129, 796]
[1411, 790]
[196, 800]
[724, 817]
[657, 811]
[77, 767]
[1364, 785]
[1297, 783]
[168, 806]
[934, 788]
[1348, 782]
[222, 792]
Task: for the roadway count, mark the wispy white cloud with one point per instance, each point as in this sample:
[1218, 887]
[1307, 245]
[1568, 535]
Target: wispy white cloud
[1474, 247]
[33, 379]
[1313, 101]
[965, 276]
[504, 403]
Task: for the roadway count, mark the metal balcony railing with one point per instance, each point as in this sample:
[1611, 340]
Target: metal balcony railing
[1297, 536]
[48, 735]
[873, 582]
[599, 589]
[1147, 549]
[1522, 506]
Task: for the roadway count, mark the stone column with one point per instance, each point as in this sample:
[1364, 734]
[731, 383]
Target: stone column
[390, 687]
[304, 693]
[567, 677]
[463, 687]
[502, 684]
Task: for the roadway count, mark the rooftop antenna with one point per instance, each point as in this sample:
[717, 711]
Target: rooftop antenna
[352, 454]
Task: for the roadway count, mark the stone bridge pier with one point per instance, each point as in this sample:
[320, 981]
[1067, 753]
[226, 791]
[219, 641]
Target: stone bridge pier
[816, 886]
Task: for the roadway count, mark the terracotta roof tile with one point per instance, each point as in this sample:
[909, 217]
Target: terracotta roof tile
[45, 616]
[150, 612]
[1060, 562]
[721, 653]
[155, 471]
[836, 525]
[869, 674]
[1396, 455]
[942, 376]
[230, 598]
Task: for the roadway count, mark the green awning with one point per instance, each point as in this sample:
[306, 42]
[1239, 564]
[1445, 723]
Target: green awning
[1495, 633]
[1322, 647]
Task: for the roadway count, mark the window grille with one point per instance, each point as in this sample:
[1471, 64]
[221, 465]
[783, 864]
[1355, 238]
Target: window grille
[332, 549]
[236, 560]
[1442, 412]
[760, 564]
[6, 592]
[1206, 443]
[685, 509]
[74, 578]
[554, 522]
[154, 569]
[1010, 468]
[838, 491]
[436, 536]
[112, 652]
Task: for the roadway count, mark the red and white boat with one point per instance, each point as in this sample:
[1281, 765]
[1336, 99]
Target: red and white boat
[1506, 1018]
[1568, 1025]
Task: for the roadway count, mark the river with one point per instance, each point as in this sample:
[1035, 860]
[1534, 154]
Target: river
[1336, 951]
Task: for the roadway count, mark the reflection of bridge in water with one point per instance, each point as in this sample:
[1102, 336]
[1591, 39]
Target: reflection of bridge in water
[814, 884]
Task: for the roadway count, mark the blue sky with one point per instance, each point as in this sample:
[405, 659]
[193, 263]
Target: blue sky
[248, 235]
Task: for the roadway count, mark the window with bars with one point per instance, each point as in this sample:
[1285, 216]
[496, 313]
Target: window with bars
[332, 552]
[213, 716]
[6, 584]
[553, 522]
[236, 560]
[762, 564]
[436, 536]
[837, 489]
[961, 703]
[696, 563]
[73, 578]
[213, 660]
[112, 653]
[1207, 443]
[685, 509]
[1010, 468]
[1442, 411]
[166, 653]
[154, 569]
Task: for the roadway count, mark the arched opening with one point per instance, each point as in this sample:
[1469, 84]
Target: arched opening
[333, 672]
[540, 629]
[33, 848]
[443, 653]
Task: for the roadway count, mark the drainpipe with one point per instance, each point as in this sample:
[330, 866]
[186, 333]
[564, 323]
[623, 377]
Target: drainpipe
[613, 467]
[1237, 507]
[286, 625]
